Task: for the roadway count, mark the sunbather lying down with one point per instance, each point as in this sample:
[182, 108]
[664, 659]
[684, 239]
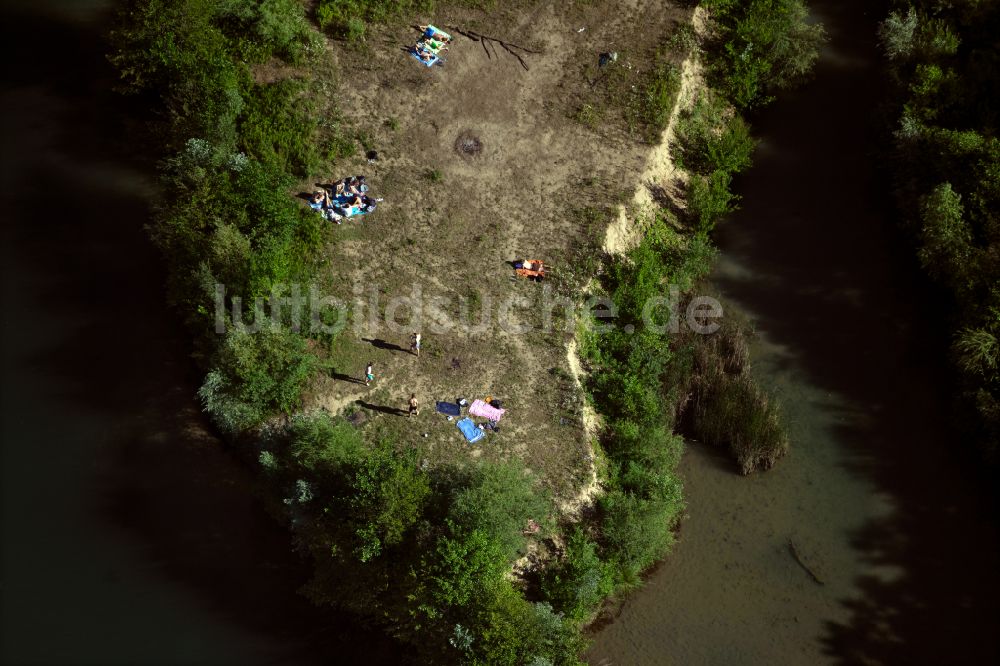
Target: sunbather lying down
[424, 55]
[433, 45]
[528, 265]
[320, 200]
[430, 32]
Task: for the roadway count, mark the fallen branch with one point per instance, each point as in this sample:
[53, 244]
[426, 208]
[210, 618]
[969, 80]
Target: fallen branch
[491, 42]
[798, 558]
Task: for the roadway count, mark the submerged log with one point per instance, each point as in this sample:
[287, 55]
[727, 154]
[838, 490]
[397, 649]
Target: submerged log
[798, 558]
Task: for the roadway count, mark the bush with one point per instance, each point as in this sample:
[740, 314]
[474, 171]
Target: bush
[636, 532]
[267, 27]
[896, 34]
[945, 240]
[324, 444]
[389, 495]
[578, 583]
[763, 45]
[255, 374]
[498, 501]
[709, 198]
[280, 127]
[652, 110]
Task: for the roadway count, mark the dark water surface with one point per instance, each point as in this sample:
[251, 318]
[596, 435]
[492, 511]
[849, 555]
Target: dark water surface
[129, 535]
[875, 494]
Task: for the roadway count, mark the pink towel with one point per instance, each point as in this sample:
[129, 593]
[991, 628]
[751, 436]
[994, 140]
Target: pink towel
[480, 408]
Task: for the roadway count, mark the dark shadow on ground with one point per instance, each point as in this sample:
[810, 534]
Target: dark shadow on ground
[382, 409]
[378, 343]
[346, 378]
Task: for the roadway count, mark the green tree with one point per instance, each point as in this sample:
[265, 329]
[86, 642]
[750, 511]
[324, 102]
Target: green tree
[945, 241]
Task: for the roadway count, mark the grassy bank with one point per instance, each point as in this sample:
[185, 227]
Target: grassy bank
[426, 546]
[945, 157]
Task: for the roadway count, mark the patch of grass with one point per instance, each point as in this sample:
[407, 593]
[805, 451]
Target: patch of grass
[365, 139]
[649, 110]
[683, 40]
[434, 175]
[588, 115]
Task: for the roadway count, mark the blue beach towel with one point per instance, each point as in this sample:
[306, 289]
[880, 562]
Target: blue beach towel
[448, 408]
[426, 63]
[469, 429]
[340, 203]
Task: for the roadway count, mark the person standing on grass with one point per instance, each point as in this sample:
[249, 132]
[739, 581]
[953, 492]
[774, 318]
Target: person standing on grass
[415, 344]
[413, 406]
[369, 373]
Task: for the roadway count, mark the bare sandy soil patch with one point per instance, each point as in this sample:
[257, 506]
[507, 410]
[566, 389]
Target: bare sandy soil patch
[482, 162]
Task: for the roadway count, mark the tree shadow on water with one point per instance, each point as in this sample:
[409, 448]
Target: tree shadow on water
[147, 509]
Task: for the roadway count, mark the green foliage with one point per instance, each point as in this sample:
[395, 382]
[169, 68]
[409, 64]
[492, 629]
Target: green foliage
[709, 198]
[279, 126]
[389, 494]
[714, 143]
[177, 51]
[978, 352]
[347, 18]
[498, 501]
[637, 532]
[946, 174]
[579, 582]
[320, 443]
[254, 374]
[263, 28]
[945, 248]
[763, 45]
[464, 566]
[651, 111]
[896, 33]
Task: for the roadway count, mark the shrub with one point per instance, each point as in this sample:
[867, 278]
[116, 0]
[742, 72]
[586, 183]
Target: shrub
[764, 45]
[279, 126]
[578, 583]
[660, 97]
[267, 27]
[636, 532]
[498, 501]
[978, 352]
[896, 34]
[945, 239]
[254, 374]
[709, 198]
[321, 443]
[389, 494]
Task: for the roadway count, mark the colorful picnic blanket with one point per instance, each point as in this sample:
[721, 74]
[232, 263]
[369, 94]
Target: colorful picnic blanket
[480, 408]
[472, 432]
[342, 209]
[448, 408]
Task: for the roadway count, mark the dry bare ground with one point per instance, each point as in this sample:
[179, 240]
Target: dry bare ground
[482, 162]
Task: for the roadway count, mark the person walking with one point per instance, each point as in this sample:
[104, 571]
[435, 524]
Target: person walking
[369, 373]
[415, 344]
[414, 411]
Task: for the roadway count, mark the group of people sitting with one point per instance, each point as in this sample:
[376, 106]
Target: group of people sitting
[431, 45]
[344, 198]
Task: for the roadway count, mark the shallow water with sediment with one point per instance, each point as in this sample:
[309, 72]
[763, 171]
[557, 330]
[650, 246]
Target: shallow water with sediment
[872, 541]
